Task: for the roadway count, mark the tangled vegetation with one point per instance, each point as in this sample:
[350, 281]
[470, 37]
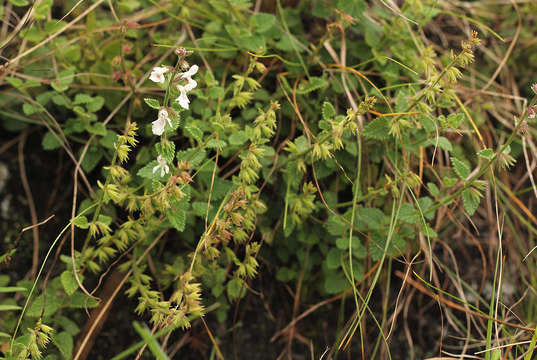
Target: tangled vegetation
[268, 179]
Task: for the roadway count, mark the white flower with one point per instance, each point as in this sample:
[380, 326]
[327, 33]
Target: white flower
[190, 85]
[157, 75]
[191, 72]
[162, 165]
[183, 99]
[159, 125]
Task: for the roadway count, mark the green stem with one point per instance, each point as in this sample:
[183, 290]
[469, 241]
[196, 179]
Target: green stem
[100, 202]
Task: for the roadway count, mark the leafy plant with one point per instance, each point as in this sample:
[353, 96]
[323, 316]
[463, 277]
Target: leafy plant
[328, 140]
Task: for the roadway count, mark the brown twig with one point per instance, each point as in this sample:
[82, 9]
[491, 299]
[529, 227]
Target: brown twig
[31, 205]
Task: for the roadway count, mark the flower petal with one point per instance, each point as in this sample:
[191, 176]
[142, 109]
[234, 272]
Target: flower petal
[157, 75]
[158, 126]
[183, 99]
[191, 72]
[163, 114]
[191, 84]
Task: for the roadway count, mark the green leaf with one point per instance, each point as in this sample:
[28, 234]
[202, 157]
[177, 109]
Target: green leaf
[166, 149]
[356, 269]
[251, 42]
[216, 92]
[58, 86]
[79, 301]
[424, 204]
[177, 219]
[82, 99]
[59, 100]
[33, 34]
[373, 33]
[441, 142]
[315, 83]
[72, 53]
[285, 274]
[216, 144]
[69, 282]
[67, 76]
[220, 188]
[461, 169]
[377, 129]
[238, 138]
[153, 103]
[429, 232]
[97, 128]
[262, 22]
[455, 120]
[328, 111]
[15, 82]
[147, 171]
[433, 188]
[64, 342]
[9, 307]
[53, 26]
[176, 214]
[129, 5]
[41, 9]
[193, 156]
[324, 125]
[236, 288]
[105, 219]
[50, 142]
[81, 221]
[96, 104]
[200, 208]
[427, 123]
[109, 139]
[92, 158]
[354, 8]
[334, 284]
[378, 243]
[335, 225]
[68, 325]
[35, 310]
[29, 109]
[358, 250]
[333, 259]
[371, 218]
[470, 201]
[19, 2]
[486, 154]
[408, 214]
[342, 243]
[195, 132]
